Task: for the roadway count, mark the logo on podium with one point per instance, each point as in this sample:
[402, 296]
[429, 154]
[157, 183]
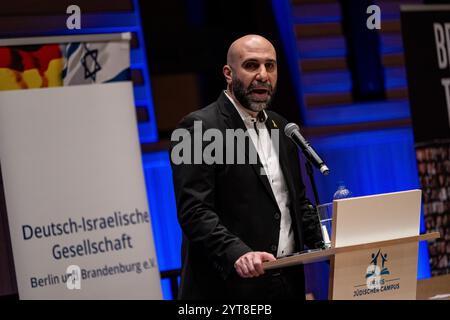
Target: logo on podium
[376, 280]
[375, 271]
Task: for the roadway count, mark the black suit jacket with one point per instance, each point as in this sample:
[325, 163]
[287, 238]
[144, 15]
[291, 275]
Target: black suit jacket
[226, 211]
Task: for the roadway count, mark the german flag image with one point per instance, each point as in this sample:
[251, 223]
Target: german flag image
[33, 66]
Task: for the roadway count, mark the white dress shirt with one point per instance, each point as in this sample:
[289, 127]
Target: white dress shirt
[269, 159]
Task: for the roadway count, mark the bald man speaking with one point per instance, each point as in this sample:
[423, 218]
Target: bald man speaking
[234, 214]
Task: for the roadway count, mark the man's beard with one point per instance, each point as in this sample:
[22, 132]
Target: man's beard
[244, 97]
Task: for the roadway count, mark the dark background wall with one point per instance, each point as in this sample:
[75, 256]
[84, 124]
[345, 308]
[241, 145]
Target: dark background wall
[187, 43]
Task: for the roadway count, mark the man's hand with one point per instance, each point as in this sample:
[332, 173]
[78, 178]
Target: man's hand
[250, 264]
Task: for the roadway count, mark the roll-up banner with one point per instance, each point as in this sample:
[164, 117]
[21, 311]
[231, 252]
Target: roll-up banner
[71, 166]
[426, 40]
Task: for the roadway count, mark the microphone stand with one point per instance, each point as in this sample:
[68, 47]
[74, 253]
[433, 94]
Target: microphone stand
[309, 171]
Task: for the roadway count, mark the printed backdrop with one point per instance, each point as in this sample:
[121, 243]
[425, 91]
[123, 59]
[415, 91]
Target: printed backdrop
[72, 173]
[53, 65]
[427, 58]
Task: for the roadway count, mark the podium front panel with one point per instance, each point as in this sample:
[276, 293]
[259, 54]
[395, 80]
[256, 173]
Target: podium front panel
[388, 272]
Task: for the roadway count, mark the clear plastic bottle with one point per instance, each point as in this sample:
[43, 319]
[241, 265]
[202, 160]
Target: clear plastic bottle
[342, 192]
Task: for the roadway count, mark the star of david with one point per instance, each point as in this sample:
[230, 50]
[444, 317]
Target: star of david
[90, 59]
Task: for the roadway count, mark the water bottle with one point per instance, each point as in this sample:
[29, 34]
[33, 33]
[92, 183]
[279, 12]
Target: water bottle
[342, 192]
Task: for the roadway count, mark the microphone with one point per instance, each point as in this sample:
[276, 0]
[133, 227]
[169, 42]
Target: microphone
[293, 132]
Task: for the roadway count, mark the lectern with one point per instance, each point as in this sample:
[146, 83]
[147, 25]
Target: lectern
[374, 247]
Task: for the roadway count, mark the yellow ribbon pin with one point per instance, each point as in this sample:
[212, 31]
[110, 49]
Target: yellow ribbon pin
[274, 124]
